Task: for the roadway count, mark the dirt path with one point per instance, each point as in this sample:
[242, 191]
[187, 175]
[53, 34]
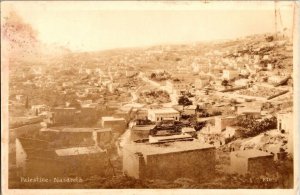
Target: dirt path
[170, 91]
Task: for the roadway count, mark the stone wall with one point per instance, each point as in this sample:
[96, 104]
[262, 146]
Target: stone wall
[139, 134]
[261, 165]
[238, 165]
[30, 130]
[195, 164]
[24, 131]
[132, 164]
[67, 166]
[116, 126]
[63, 116]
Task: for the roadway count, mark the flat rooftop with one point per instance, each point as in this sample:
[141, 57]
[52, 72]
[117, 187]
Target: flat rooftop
[88, 106]
[188, 129]
[285, 113]
[250, 153]
[142, 127]
[38, 106]
[170, 147]
[226, 117]
[64, 108]
[191, 107]
[111, 118]
[164, 111]
[167, 138]
[77, 130]
[133, 105]
[78, 151]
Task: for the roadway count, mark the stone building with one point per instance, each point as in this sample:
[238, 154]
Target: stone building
[221, 122]
[231, 131]
[249, 110]
[285, 122]
[63, 116]
[118, 125]
[230, 74]
[285, 125]
[189, 130]
[140, 132]
[88, 111]
[189, 110]
[253, 162]
[200, 83]
[103, 137]
[77, 137]
[142, 114]
[63, 152]
[158, 115]
[126, 114]
[37, 158]
[38, 109]
[187, 159]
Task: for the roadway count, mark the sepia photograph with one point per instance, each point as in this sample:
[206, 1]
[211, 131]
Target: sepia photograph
[149, 95]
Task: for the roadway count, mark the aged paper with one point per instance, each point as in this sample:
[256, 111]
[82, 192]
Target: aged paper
[167, 97]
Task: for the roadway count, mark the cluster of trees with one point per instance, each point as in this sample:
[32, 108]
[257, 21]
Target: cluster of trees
[251, 127]
[187, 94]
[43, 96]
[161, 76]
[225, 83]
[205, 113]
[156, 94]
[159, 96]
[267, 106]
[199, 125]
[171, 129]
[144, 122]
[184, 101]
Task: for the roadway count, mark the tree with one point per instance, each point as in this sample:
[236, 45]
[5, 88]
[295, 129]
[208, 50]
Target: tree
[27, 103]
[206, 91]
[200, 125]
[198, 108]
[183, 100]
[143, 122]
[153, 76]
[203, 113]
[233, 101]
[225, 83]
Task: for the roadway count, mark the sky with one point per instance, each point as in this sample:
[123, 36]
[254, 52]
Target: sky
[91, 26]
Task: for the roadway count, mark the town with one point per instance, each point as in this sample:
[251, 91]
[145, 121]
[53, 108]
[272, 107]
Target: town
[207, 115]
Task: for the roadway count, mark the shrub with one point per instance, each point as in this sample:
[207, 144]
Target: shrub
[253, 127]
[230, 139]
[200, 125]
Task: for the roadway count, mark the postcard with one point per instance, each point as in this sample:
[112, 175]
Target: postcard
[140, 97]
